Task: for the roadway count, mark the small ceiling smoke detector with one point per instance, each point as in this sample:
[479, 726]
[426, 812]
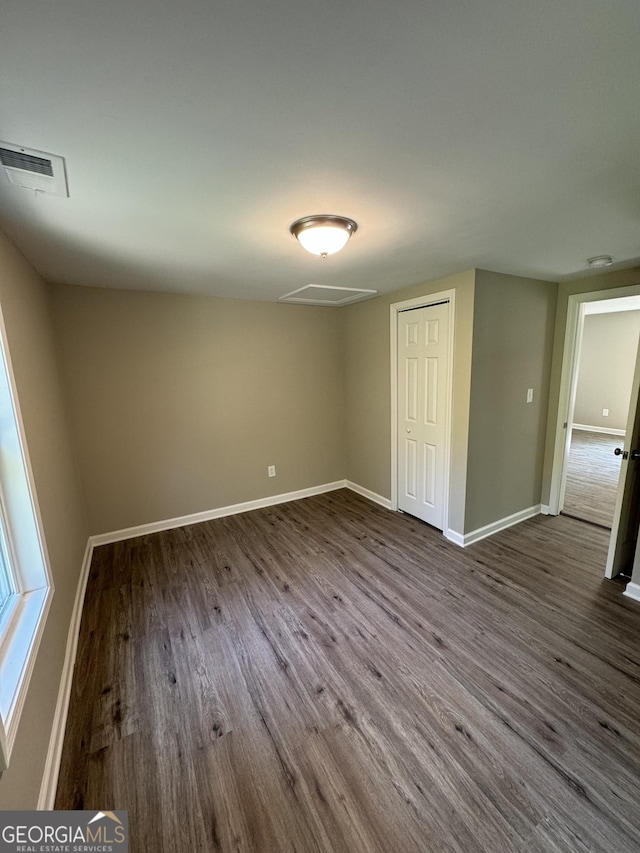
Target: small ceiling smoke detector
[34, 170]
[600, 262]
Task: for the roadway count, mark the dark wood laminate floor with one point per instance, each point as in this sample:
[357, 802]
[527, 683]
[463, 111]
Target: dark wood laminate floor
[593, 471]
[326, 675]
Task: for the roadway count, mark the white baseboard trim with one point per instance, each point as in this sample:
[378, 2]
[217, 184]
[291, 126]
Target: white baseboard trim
[54, 754]
[207, 515]
[497, 526]
[367, 493]
[632, 590]
[545, 509]
[606, 430]
[455, 537]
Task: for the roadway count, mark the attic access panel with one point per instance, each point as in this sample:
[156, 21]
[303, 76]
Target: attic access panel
[326, 294]
[34, 170]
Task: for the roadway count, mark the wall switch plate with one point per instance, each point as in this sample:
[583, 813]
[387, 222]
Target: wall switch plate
[605, 413]
[529, 395]
[271, 470]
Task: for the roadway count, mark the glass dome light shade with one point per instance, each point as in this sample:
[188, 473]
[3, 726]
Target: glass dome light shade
[323, 235]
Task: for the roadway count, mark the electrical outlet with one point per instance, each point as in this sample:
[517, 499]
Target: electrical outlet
[271, 470]
[605, 413]
[529, 395]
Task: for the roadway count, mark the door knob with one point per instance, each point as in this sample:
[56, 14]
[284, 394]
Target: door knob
[624, 453]
[635, 454]
[408, 430]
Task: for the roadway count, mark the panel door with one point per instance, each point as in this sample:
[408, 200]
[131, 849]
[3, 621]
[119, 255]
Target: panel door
[423, 383]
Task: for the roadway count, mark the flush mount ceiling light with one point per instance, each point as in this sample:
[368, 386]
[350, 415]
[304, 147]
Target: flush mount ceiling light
[323, 234]
[600, 262]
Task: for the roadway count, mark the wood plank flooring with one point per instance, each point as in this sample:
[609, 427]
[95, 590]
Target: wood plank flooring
[592, 476]
[326, 676]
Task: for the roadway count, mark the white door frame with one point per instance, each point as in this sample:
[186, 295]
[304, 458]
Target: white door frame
[568, 384]
[395, 309]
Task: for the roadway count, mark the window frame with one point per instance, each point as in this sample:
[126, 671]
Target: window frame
[23, 620]
[8, 557]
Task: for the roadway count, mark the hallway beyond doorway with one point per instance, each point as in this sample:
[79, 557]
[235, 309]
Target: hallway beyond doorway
[592, 477]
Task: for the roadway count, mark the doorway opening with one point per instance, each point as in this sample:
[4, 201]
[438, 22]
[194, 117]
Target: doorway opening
[607, 354]
[591, 476]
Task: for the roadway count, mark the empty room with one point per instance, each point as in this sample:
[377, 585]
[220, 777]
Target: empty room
[320, 426]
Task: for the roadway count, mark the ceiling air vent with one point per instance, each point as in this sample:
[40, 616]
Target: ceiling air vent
[34, 170]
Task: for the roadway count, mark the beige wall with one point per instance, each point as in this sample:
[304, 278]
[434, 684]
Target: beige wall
[368, 388]
[24, 300]
[179, 403]
[503, 345]
[590, 284]
[607, 363]
[512, 346]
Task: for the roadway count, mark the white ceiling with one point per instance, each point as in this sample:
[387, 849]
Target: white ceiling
[486, 133]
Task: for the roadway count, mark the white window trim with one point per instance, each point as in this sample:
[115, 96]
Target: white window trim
[24, 620]
[8, 558]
